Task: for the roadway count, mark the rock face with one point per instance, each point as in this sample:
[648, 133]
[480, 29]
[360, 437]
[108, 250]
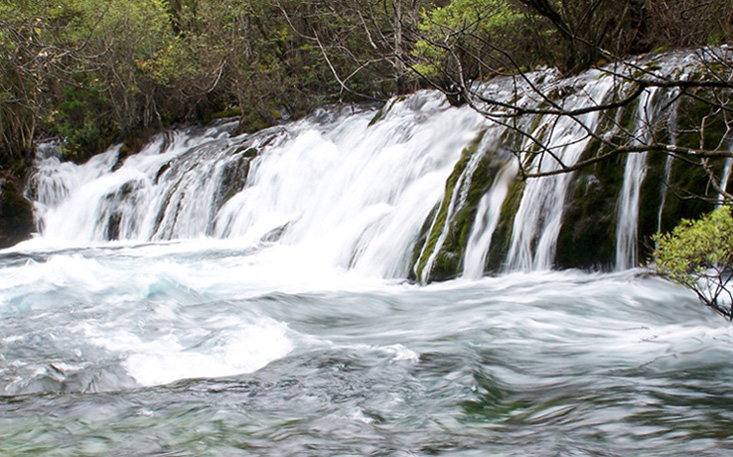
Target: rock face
[600, 217]
[16, 216]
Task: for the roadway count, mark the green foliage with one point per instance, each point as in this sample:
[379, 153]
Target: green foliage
[88, 71]
[463, 25]
[699, 255]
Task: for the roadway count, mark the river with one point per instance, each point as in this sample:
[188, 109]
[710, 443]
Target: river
[202, 348]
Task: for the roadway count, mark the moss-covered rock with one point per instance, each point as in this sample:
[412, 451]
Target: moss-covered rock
[450, 259]
[502, 238]
[447, 261]
[16, 216]
[587, 236]
[700, 125]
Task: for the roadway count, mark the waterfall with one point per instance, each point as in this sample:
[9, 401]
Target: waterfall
[634, 174]
[487, 218]
[416, 186]
[164, 192]
[539, 218]
[344, 191]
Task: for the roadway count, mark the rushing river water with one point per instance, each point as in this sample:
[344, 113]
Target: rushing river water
[245, 295]
[206, 348]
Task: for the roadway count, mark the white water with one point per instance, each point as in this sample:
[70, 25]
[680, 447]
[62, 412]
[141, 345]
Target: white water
[341, 192]
[487, 218]
[634, 174]
[539, 217]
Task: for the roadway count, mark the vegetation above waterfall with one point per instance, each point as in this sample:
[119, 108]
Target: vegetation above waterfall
[91, 73]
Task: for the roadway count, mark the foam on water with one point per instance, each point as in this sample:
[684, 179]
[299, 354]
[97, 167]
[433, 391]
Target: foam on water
[220, 349]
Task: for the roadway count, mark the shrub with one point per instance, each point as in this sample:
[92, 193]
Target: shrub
[699, 255]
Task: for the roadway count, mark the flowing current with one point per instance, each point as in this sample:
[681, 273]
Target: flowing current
[222, 295]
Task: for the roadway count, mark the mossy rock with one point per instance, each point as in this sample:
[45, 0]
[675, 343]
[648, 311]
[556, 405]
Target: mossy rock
[447, 263]
[588, 232]
[687, 180]
[16, 216]
[703, 110]
[502, 238]
[420, 243]
[587, 237]
[254, 122]
[690, 194]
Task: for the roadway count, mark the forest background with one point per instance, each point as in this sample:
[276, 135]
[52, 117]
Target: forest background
[91, 73]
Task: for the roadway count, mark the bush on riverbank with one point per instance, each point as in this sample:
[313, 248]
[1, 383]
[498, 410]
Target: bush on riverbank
[699, 255]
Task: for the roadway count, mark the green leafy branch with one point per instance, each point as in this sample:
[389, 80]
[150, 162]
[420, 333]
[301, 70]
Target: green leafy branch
[699, 255]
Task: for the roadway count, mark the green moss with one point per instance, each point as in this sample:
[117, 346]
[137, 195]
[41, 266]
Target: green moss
[252, 123]
[446, 264]
[449, 262]
[229, 112]
[502, 238]
[421, 240]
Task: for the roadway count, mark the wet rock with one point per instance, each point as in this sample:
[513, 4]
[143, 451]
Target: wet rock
[16, 216]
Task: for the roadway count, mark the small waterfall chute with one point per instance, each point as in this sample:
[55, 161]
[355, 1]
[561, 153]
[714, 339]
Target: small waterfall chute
[539, 217]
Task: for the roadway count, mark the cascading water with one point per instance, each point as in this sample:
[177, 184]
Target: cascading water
[344, 192]
[538, 220]
[353, 188]
[487, 218]
[634, 173]
[225, 295]
[166, 191]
